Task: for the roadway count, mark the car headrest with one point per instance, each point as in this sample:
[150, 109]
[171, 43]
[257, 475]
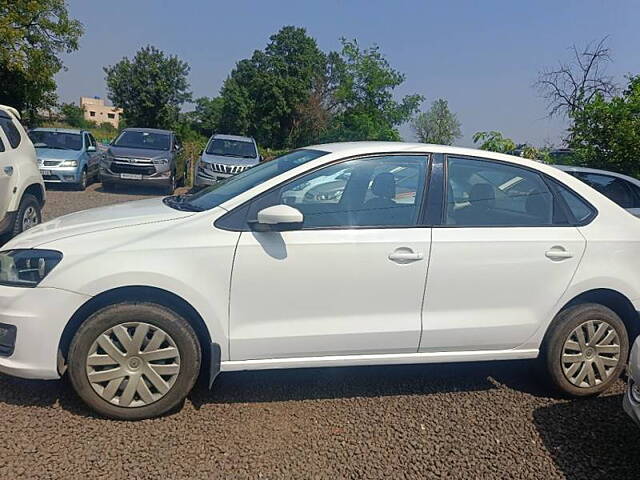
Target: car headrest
[384, 185]
[482, 192]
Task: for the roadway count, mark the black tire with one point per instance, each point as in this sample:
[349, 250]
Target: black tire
[84, 181]
[155, 315]
[169, 189]
[553, 345]
[28, 205]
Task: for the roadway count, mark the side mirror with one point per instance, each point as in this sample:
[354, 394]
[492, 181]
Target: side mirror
[91, 148]
[278, 218]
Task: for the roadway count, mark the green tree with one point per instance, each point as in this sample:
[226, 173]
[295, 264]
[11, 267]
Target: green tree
[437, 125]
[151, 88]
[262, 94]
[33, 34]
[363, 96]
[606, 132]
[494, 141]
[207, 114]
[73, 115]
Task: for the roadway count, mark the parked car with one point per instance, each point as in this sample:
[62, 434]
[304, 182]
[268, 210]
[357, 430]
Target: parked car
[133, 300]
[66, 156]
[631, 400]
[22, 193]
[144, 156]
[622, 189]
[224, 156]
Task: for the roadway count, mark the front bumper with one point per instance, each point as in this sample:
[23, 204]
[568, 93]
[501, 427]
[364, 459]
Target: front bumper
[39, 316]
[60, 174]
[158, 178]
[209, 178]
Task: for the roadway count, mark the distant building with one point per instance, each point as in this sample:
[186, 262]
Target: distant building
[96, 111]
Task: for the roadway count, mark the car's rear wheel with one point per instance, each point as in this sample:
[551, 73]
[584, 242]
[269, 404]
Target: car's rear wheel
[585, 350]
[28, 215]
[132, 361]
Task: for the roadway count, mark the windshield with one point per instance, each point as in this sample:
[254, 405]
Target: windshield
[231, 148]
[224, 190]
[57, 140]
[146, 140]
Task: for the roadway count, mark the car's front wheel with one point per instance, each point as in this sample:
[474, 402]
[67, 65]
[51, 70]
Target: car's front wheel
[84, 181]
[585, 349]
[131, 361]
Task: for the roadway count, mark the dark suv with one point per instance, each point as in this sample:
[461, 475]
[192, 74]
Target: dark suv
[143, 156]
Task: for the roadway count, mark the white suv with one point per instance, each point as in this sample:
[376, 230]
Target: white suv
[420, 253]
[22, 192]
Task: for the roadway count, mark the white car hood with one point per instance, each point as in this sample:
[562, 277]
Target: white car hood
[97, 219]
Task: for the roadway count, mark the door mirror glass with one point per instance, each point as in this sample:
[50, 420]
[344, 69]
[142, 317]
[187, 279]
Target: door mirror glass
[91, 148]
[278, 218]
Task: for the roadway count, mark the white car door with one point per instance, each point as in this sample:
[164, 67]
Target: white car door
[350, 281]
[504, 256]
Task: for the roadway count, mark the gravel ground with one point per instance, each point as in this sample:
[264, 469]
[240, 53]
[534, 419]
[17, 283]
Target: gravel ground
[487, 420]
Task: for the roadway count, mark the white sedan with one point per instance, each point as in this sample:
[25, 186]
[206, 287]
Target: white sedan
[476, 256]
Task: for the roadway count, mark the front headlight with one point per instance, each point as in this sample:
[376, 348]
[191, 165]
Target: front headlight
[26, 268]
[160, 161]
[69, 163]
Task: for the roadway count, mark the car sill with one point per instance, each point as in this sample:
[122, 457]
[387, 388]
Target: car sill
[382, 359]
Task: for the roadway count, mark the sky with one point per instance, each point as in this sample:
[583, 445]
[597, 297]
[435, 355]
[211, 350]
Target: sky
[482, 56]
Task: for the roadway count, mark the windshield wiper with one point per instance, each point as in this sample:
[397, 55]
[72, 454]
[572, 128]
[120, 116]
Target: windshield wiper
[178, 202]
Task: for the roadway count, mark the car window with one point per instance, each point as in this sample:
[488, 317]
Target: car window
[231, 148]
[56, 140]
[224, 190]
[580, 209]
[614, 188]
[10, 130]
[146, 140]
[366, 192]
[489, 193]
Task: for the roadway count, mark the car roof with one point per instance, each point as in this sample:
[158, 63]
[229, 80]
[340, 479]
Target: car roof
[148, 130]
[7, 109]
[357, 148]
[233, 137]
[61, 130]
[572, 168]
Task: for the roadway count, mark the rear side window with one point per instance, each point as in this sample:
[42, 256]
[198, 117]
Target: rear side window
[488, 193]
[1, 145]
[580, 209]
[10, 130]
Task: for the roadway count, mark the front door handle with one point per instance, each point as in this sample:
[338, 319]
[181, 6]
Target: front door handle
[558, 253]
[405, 255]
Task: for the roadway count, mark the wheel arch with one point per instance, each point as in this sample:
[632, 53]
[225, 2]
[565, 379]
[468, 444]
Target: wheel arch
[614, 300]
[138, 293]
[36, 190]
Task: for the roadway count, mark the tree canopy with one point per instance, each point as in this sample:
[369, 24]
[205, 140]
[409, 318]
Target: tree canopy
[292, 94]
[606, 132]
[437, 125]
[151, 88]
[33, 34]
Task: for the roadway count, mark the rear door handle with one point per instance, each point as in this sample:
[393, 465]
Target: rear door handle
[558, 253]
[405, 255]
